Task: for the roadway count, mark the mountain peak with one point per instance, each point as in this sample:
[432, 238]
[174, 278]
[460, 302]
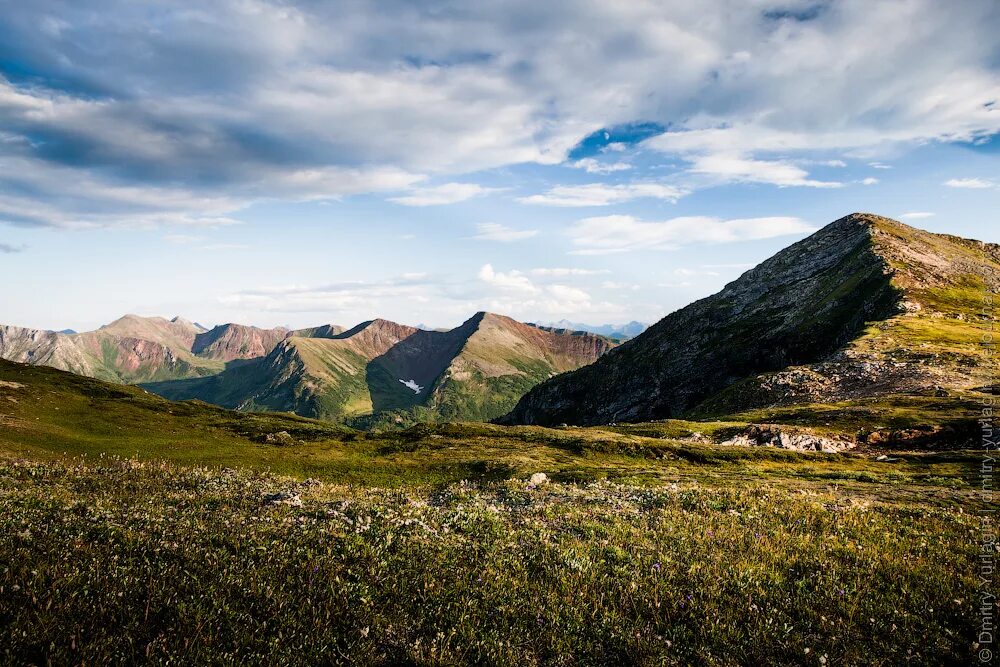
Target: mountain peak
[805, 304]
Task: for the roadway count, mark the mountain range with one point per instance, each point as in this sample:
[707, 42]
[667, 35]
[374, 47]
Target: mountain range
[867, 316]
[382, 371]
[375, 372]
[865, 309]
[620, 332]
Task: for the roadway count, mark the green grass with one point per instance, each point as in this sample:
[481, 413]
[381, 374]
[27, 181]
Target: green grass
[133, 529]
[118, 561]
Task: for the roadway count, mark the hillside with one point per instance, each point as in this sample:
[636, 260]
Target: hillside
[140, 349]
[865, 308]
[383, 372]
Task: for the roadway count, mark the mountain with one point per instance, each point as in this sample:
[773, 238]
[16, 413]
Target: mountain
[138, 349]
[617, 331]
[231, 342]
[380, 371]
[865, 309]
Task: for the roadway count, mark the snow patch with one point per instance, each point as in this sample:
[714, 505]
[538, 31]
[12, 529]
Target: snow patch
[412, 384]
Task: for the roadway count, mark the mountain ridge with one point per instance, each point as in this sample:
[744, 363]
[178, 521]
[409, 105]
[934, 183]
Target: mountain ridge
[804, 306]
[381, 370]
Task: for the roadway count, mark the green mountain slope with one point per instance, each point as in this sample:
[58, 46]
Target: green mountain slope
[383, 372]
[866, 307]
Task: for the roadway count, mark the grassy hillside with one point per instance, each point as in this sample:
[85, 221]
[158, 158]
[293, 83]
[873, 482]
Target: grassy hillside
[137, 529]
[119, 561]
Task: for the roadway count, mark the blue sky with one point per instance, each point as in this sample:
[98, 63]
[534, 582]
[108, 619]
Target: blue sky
[299, 162]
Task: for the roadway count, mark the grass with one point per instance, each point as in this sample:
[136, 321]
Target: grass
[112, 560]
[133, 529]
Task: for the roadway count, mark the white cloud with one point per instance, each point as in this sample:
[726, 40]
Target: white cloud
[592, 166]
[612, 285]
[869, 181]
[513, 280]
[449, 193]
[296, 100]
[622, 233]
[879, 165]
[730, 167]
[916, 215]
[562, 272]
[969, 183]
[491, 231]
[598, 194]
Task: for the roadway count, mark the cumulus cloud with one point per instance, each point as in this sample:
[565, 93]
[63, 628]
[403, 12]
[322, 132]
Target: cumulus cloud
[598, 194]
[449, 193]
[916, 215]
[969, 183]
[513, 280]
[300, 100]
[491, 231]
[869, 181]
[623, 233]
[742, 169]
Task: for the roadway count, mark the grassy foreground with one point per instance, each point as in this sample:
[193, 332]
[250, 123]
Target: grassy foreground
[118, 560]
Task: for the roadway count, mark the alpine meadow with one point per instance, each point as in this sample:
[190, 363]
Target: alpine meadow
[643, 333]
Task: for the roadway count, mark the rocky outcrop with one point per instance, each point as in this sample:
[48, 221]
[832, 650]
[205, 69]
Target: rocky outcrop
[784, 437]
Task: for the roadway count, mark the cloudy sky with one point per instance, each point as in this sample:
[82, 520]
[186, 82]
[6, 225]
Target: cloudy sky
[302, 162]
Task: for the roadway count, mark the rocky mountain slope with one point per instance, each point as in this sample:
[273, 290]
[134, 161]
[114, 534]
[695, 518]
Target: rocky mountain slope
[866, 308]
[140, 349]
[380, 371]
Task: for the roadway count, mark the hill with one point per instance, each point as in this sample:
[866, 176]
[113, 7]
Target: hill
[383, 372]
[866, 308]
[140, 349]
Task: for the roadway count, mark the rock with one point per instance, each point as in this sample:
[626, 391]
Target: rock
[538, 479]
[289, 498]
[279, 438]
[887, 459]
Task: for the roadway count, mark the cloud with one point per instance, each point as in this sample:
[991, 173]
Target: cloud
[879, 165]
[598, 194]
[9, 249]
[514, 280]
[449, 193]
[623, 233]
[916, 215]
[737, 168]
[563, 272]
[300, 100]
[592, 166]
[869, 181]
[969, 183]
[491, 231]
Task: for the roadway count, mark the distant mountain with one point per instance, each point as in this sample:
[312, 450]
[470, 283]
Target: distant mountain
[380, 371]
[866, 308]
[619, 332]
[139, 349]
[66, 331]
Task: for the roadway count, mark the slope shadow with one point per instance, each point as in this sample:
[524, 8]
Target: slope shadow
[421, 358]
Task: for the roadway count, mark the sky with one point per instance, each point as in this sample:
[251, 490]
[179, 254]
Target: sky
[301, 162]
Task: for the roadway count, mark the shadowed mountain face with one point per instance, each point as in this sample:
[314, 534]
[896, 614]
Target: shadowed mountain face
[139, 349]
[864, 307]
[381, 371]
